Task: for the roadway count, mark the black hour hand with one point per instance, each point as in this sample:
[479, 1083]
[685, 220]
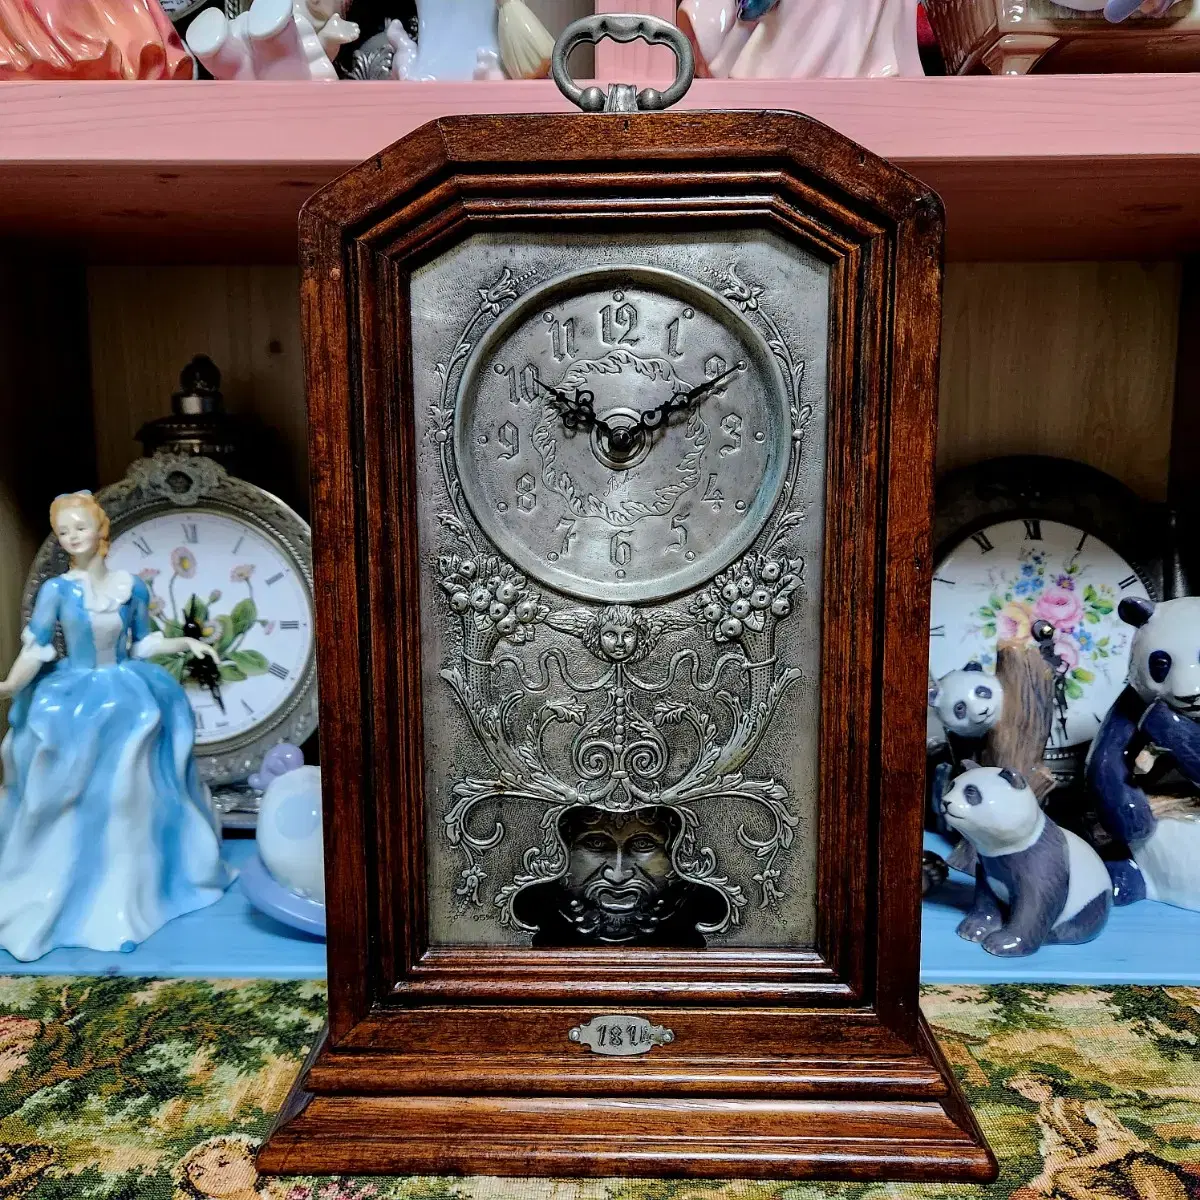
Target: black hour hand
[577, 411]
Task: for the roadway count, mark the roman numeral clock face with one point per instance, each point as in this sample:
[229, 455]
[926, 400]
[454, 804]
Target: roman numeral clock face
[1001, 579]
[218, 577]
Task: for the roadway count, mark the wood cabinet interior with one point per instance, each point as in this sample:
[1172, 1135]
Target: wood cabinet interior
[1076, 359]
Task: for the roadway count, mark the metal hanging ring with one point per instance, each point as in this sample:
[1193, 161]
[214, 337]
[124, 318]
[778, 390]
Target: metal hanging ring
[623, 27]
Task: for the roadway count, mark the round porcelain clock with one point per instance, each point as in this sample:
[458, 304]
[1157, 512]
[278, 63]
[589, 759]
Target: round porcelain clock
[622, 433]
[228, 563]
[1032, 539]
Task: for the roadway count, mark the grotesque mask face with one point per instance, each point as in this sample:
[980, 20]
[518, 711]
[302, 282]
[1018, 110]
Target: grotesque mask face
[618, 868]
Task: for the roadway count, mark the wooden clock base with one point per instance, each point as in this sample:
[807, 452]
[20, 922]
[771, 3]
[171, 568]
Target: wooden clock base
[896, 1118]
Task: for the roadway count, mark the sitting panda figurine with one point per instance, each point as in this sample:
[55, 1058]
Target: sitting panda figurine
[1160, 707]
[1053, 885]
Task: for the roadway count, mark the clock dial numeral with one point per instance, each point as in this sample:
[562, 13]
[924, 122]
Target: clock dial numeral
[190, 533]
[1082, 539]
[527, 493]
[278, 671]
[943, 579]
[680, 529]
[237, 548]
[675, 333]
[1128, 582]
[731, 427]
[674, 337]
[199, 721]
[248, 707]
[289, 625]
[567, 524]
[1033, 530]
[618, 323]
[523, 388]
[510, 438]
[275, 578]
[982, 540]
[142, 545]
[937, 631]
[713, 494]
[620, 549]
[562, 336]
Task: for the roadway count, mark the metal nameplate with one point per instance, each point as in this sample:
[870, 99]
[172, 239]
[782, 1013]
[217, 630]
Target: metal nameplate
[622, 1035]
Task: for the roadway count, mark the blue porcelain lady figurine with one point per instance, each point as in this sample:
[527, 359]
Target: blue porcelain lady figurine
[106, 831]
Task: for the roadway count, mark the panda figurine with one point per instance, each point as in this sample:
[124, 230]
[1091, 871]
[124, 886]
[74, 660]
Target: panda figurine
[1160, 707]
[964, 707]
[1052, 884]
[968, 703]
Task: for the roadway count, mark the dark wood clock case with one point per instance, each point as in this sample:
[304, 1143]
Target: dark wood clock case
[785, 1063]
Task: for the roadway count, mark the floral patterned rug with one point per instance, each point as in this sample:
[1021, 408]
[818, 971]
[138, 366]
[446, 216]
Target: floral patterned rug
[128, 1089]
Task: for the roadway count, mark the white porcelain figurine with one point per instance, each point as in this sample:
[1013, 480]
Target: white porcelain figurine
[458, 40]
[106, 831]
[273, 39]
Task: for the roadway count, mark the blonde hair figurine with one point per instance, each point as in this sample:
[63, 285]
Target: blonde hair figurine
[106, 831]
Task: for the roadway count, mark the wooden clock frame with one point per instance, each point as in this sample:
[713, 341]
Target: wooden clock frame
[785, 1063]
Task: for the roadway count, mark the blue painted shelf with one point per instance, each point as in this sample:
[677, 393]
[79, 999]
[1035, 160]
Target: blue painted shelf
[1145, 943]
[229, 939]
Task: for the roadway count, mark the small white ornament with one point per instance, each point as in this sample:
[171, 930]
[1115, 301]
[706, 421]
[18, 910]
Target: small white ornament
[289, 832]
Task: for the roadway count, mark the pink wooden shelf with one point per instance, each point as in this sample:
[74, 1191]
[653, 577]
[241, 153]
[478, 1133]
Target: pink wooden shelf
[1038, 167]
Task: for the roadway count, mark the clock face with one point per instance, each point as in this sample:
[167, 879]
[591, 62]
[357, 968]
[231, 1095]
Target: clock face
[994, 584]
[253, 605]
[616, 511]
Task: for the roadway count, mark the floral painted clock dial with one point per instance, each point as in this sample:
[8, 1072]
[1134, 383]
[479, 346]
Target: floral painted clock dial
[249, 599]
[997, 582]
[228, 563]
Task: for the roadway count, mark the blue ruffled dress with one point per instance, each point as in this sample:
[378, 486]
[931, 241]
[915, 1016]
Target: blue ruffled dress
[106, 830]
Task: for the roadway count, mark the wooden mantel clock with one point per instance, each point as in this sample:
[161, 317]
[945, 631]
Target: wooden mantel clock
[622, 438]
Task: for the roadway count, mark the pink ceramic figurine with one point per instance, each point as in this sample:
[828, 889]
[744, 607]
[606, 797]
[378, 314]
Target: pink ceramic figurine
[89, 39]
[803, 38]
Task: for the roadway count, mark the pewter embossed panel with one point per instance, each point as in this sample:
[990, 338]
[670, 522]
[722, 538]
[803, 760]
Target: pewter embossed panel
[621, 462]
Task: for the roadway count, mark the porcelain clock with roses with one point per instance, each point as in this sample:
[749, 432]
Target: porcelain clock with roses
[1026, 539]
[229, 563]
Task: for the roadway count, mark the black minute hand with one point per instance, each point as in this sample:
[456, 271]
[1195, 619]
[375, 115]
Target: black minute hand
[654, 417]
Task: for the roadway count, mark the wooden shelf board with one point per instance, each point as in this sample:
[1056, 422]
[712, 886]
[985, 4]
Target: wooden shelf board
[1041, 167]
